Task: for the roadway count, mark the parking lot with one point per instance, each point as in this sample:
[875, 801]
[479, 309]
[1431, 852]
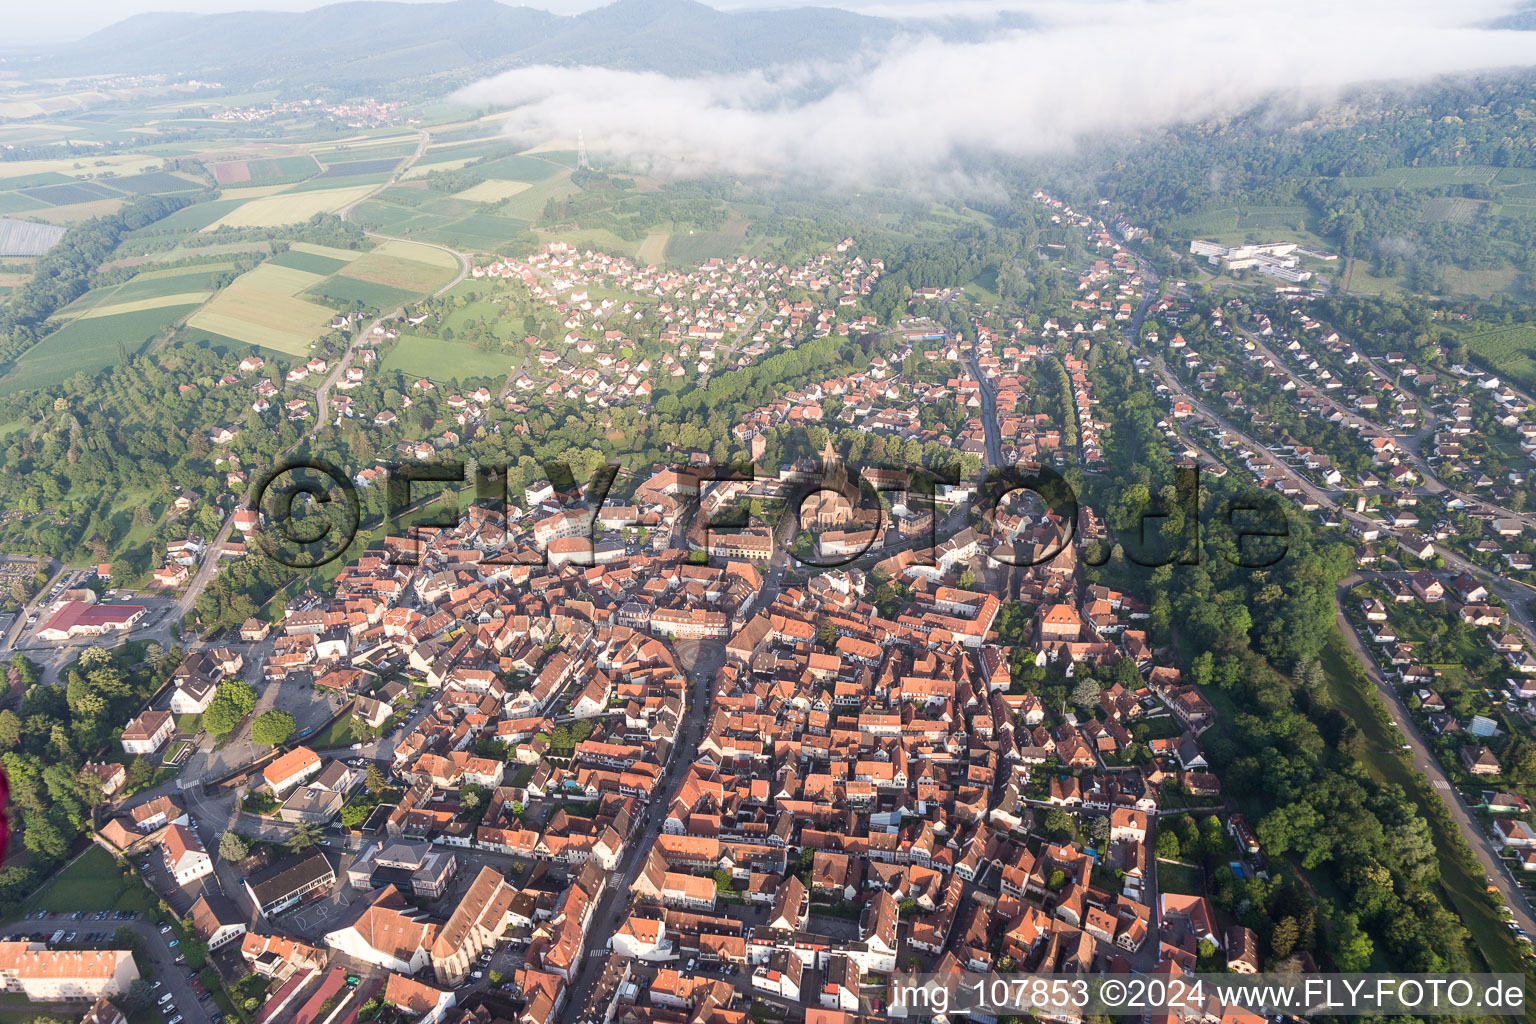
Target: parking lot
[185, 1000]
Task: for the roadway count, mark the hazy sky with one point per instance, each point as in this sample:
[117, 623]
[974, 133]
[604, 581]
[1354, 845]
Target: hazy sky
[29, 23]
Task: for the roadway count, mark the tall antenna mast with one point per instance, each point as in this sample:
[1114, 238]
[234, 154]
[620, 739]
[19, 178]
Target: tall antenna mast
[581, 153]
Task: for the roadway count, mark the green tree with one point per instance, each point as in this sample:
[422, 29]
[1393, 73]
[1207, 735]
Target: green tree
[232, 848]
[1352, 947]
[272, 727]
[1167, 844]
[374, 779]
[1283, 939]
[305, 835]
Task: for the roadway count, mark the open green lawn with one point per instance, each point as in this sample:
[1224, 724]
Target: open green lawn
[441, 360]
[1179, 878]
[88, 345]
[94, 882]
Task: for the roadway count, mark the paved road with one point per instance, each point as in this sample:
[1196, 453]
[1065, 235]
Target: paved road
[1483, 846]
[611, 906]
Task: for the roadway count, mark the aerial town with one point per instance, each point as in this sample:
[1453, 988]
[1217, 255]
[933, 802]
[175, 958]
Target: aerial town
[451, 575]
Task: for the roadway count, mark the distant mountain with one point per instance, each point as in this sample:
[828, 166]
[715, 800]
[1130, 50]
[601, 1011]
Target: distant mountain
[370, 42]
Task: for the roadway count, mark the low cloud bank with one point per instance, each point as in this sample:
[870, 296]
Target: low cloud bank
[914, 111]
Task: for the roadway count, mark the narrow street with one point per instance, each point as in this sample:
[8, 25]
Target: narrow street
[610, 909]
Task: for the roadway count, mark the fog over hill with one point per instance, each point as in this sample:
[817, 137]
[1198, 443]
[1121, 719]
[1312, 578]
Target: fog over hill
[914, 107]
[376, 41]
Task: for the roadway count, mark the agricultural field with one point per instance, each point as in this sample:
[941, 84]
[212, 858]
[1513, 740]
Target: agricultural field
[22, 238]
[356, 167]
[289, 207]
[155, 182]
[314, 263]
[69, 195]
[269, 171]
[691, 249]
[15, 202]
[422, 168]
[653, 248]
[71, 168]
[1425, 177]
[492, 191]
[89, 344]
[442, 361]
[349, 291]
[258, 309]
[280, 280]
[1450, 210]
[79, 211]
[389, 276]
[1511, 350]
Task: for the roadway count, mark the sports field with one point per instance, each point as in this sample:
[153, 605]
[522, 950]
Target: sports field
[289, 207]
[492, 191]
[89, 344]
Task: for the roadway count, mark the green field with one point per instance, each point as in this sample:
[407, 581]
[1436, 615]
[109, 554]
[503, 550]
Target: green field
[1235, 223]
[349, 290]
[69, 195]
[256, 311]
[93, 882]
[89, 344]
[15, 202]
[1511, 350]
[518, 168]
[194, 218]
[159, 283]
[689, 250]
[314, 263]
[441, 360]
[1424, 177]
[290, 207]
